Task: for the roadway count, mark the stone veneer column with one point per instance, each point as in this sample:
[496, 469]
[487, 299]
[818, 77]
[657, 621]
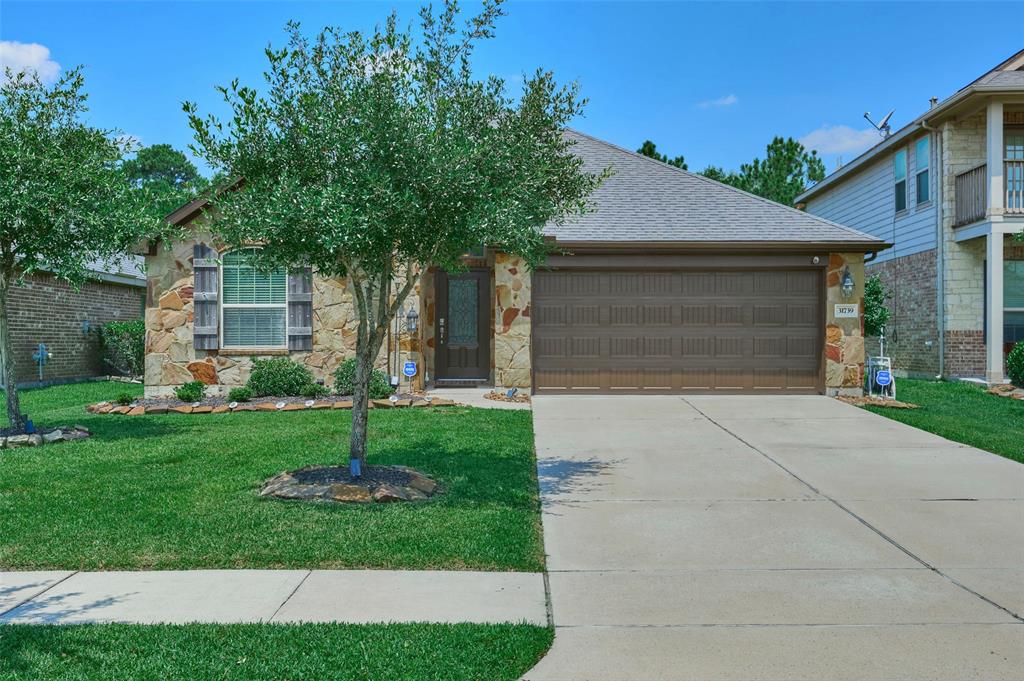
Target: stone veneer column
[512, 283]
[844, 338]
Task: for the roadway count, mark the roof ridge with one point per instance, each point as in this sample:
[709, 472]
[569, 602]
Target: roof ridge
[704, 178]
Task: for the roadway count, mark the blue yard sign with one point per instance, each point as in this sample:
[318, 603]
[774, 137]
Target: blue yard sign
[409, 369]
[883, 378]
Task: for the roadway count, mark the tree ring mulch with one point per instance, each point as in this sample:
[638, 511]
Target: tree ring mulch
[378, 484]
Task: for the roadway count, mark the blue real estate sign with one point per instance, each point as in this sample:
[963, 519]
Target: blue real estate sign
[883, 378]
[409, 369]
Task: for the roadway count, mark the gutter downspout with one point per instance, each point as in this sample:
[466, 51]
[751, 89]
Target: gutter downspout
[940, 245]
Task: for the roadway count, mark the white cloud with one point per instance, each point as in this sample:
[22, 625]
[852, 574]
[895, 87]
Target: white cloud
[28, 57]
[840, 139]
[727, 100]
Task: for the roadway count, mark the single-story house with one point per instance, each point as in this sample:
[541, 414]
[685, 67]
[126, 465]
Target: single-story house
[46, 310]
[947, 189]
[674, 284]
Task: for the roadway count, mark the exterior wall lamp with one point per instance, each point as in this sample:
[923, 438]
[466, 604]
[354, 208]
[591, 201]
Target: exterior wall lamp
[846, 283]
[412, 320]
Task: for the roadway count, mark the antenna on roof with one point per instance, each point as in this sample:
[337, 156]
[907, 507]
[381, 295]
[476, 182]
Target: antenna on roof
[883, 125]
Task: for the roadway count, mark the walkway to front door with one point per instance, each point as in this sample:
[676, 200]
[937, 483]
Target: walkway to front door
[789, 538]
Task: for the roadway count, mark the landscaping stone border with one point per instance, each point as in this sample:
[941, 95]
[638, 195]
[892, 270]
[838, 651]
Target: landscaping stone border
[378, 484]
[283, 404]
[48, 437]
[1007, 390]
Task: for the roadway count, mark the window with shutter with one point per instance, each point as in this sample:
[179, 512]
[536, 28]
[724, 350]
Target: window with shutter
[205, 330]
[300, 309]
[254, 304]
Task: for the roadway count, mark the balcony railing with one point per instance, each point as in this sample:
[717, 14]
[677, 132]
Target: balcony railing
[972, 192]
[1013, 178]
[971, 195]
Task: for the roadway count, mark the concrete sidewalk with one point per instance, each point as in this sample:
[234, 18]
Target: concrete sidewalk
[781, 538]
[227, 596]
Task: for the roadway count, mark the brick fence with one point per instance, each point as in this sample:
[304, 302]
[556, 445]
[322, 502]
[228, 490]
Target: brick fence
[47, 310]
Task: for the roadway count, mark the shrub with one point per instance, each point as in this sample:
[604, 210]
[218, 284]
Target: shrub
[344, 380]
[315, 391]
[278, 377]
[123, 347]
[241, 394]
[124, 399]
[193, 391]
[1015, 365]
[876, 314]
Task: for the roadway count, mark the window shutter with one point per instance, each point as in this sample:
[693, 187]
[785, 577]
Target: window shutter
[300, 309]
[204, 270]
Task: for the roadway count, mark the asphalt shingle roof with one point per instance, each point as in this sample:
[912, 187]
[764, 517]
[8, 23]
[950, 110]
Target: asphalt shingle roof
[649, 201]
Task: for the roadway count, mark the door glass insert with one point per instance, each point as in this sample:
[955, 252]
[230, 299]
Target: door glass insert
[462, 311]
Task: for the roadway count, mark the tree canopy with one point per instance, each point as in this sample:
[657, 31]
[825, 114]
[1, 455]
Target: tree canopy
[786, 171]
[377, 156]
[648, 148]
[64, 199]
[167, 173]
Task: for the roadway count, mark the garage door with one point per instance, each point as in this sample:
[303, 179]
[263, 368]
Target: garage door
[752, 330]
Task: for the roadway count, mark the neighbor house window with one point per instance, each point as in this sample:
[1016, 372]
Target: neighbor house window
[1013, 300]
[922, 154]
[900, 161]
[254, 304]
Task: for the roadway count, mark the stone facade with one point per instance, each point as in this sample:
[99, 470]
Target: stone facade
[512, 297]
[47, 310]
[912, 335]
[844, 337]
[171, 357]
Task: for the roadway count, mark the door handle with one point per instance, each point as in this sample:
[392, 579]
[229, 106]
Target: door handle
[440, 323]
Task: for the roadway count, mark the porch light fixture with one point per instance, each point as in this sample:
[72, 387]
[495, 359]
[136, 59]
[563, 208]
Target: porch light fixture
[847, 283]
[412, 320]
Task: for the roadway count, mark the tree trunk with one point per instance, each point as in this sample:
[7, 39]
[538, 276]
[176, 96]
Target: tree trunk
[360, 410]
[376, 312]
[14, 418]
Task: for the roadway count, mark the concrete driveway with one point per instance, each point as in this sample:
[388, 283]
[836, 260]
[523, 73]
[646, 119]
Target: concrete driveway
[784, 537]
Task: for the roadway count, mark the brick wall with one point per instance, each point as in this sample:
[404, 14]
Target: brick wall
[912, 339]
[47, 310]
[965, 353]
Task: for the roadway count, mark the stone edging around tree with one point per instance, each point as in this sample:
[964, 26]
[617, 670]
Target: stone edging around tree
[49, 437]
[281, 405]
[378, 484]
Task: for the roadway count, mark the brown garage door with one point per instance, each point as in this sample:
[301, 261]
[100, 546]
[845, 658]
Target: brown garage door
[678, 331]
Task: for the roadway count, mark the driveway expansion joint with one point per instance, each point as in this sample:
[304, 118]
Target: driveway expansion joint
[860, 519]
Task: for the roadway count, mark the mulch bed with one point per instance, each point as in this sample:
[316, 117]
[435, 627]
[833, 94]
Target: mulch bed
[868, 401]
[502, 397]
[1007, 390]
[378, 484]
[222, 405]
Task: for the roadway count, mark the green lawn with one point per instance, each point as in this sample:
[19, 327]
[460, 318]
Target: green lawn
[178, 492]
[198, 652]
[962, 412]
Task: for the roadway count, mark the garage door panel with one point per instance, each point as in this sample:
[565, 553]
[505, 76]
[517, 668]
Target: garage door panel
[730, 331]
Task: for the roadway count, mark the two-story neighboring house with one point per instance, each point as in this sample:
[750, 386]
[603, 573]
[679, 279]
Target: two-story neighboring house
[947, 190]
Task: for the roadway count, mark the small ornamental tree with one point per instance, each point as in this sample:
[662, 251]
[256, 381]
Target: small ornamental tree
[64, 201]
[376, 157]
[876, 314]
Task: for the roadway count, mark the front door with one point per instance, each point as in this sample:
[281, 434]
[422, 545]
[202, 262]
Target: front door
[463, 325]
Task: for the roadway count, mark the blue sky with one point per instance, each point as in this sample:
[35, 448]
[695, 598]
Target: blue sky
[712, 81]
